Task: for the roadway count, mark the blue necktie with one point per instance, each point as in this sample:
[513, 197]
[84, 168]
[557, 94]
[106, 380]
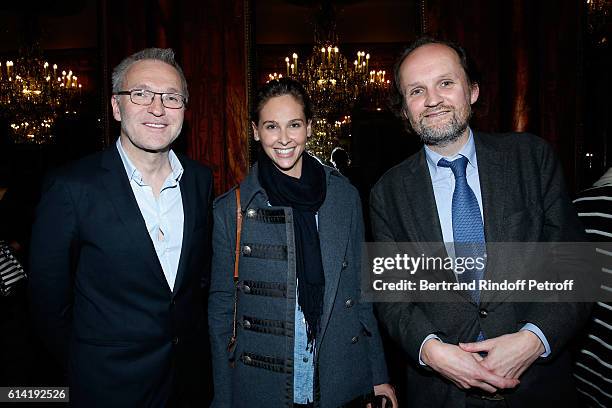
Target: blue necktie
[468, 230]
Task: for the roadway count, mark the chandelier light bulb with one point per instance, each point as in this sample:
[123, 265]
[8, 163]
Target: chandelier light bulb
[335, 86]
[32, 99]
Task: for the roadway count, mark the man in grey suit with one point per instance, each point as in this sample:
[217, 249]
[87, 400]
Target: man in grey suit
[470, 186]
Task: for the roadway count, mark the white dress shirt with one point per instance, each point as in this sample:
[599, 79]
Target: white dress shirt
[164, 215]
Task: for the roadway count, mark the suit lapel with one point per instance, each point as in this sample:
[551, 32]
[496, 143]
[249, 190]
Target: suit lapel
[421, 216]
[188, 196]
[121, 195]
[334, 229]
[492, 176]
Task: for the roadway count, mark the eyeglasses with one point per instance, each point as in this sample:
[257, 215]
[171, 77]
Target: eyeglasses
[145, 97]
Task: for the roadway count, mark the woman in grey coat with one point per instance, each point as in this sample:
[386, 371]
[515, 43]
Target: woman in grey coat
[303, 337]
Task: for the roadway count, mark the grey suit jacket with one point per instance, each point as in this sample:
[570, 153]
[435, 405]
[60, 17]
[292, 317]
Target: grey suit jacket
[524, 200]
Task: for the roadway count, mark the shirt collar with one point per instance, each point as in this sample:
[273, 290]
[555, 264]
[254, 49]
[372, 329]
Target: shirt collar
[468, 151]
[176, 166]
[133, 173]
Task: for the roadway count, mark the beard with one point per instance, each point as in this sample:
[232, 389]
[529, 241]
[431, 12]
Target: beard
[444, 133]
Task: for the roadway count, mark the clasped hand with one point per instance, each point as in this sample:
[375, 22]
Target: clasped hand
[507, 357]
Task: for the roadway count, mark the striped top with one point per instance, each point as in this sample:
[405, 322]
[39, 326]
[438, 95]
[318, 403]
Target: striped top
[593, 371]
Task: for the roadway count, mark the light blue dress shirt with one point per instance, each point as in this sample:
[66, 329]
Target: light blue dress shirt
[443, 182]
[163, 216]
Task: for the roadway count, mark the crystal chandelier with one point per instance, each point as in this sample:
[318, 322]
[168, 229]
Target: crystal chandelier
[33, 94]
[333, 83]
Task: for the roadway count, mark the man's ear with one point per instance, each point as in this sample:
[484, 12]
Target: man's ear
[116, 110]
[474, 92]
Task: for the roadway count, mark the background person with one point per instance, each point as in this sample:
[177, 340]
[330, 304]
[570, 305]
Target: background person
[593, 370]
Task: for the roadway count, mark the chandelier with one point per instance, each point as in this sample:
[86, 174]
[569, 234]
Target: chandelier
[598, 20]
[333, 83]
[34, 94]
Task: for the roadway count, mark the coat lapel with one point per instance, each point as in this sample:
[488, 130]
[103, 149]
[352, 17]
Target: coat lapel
[421, 216]
[334, 230]
[492, 173]
[188, 196]
[121, 195]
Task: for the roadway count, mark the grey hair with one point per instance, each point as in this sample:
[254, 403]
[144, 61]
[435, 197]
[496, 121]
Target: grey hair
[158, 54]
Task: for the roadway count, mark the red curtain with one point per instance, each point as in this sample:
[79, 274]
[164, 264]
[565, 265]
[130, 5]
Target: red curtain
[530, 56]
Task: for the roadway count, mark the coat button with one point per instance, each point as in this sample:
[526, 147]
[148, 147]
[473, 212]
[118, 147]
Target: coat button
[246, 324]
[246, 250]
[355, 339]
[173, 302]
[483, 313]
[246, 289]
[247, 359]
[349, 303]
[251, 213]
[175, 340]
[305, 359]
[344, 265]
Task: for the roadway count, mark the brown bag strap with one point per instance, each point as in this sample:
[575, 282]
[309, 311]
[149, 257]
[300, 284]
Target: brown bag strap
[232, 342]
[238, 233]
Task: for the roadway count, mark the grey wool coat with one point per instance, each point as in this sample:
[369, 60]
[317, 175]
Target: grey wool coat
[349, 360]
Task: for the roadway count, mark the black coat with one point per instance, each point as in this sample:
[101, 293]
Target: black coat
[98, 292]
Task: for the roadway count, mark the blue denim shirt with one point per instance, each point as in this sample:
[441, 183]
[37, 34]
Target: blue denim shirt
[303, 361]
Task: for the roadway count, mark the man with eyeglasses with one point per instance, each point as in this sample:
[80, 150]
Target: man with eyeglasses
[120, 249]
